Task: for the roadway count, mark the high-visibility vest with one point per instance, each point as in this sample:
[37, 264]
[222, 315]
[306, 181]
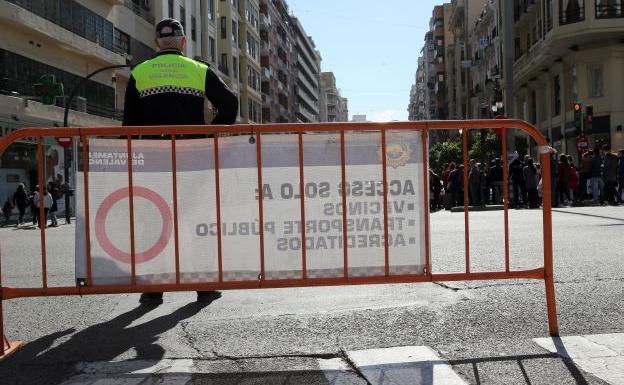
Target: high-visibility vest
[170, 73]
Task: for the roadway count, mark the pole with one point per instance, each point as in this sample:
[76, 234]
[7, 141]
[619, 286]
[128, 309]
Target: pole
[508, 60]
[67, 158]
[466, 57]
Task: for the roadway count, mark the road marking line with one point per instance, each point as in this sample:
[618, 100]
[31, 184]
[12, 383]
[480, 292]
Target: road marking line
[600, 354]
[403, 365]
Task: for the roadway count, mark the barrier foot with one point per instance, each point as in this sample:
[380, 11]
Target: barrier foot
[551, 305]
[10, 347]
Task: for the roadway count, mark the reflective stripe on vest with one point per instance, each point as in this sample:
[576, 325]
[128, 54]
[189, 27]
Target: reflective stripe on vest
[170, 73]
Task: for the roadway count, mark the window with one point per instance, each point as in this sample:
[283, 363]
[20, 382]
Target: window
[121, 42]
[183, 17]
[223, 27]
[211, 48]
[596, 85]
[170, 5]
[557, 95]
[235, 67]
[211, 10]
[252, 46]
[193, 26]
[253, 110]
[571, 11]
[606, 9]
[19, 73]
[253, 78]
[549, 15]
[234, 32]
[223, 64]
[251, 14]
[73, 17]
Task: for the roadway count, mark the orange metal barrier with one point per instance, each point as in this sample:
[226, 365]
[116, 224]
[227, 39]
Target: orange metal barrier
[424, 127]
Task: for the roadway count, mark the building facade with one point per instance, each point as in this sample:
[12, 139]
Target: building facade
[332, 105]
[305, 75]
[463, 16]
[487, 60]
[249, 61]
[569, 51]
[277, 43]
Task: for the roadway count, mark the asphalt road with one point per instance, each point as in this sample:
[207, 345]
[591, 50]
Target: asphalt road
[483, 329]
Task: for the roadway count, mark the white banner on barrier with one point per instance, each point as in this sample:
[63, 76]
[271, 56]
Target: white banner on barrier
[109, 216]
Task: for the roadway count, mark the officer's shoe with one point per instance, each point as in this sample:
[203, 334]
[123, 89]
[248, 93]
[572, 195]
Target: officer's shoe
[208, 296]
[153, 299]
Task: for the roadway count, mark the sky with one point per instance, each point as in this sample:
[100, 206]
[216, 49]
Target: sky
[371, 47]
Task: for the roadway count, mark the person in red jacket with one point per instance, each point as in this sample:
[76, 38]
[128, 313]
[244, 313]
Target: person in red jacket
[573, 183]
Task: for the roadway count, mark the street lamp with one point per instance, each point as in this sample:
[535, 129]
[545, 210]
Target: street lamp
[71, 97]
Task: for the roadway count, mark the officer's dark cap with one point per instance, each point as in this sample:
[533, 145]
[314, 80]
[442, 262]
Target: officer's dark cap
[168, 28]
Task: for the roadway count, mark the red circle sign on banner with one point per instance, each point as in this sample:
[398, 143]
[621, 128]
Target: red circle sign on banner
[114, 251]
[64, 142]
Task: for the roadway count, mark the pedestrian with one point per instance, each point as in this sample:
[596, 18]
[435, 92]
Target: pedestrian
[609, 175]
[621, 175]
[530, 183]
[586, 169]
[455, 186]
[47, 205]
[573, 183]
[155, 98]
[21, 201]
[435, 186]
[485, 188]
[54, 193]
[474, 184]
[563, 179]
[33, 209]
[496, 180]
[445, 174]
[7, 210]
[516, 177]
[597, 183]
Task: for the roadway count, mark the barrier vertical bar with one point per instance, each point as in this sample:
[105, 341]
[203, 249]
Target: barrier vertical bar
[385, 201]
[304, 263]
[42, 217]
[343, 171]
[505, 196]
[174, 173]
[131, 207]
[260, 202]
[425, 159]
[87, 215]
[551, 303]
[218, 203]
[466, 201]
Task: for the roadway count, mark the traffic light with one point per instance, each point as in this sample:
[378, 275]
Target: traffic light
[578, 116]
[48, 89]
[589, 117]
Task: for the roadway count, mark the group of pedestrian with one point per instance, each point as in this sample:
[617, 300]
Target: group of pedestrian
[485, 183]
[600, 178]
[22, 200]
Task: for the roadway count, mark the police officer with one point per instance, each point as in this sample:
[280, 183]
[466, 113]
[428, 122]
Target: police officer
[169, 89]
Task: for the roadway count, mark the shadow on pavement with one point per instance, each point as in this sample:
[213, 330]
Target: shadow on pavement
[38, 363]
[589, 215]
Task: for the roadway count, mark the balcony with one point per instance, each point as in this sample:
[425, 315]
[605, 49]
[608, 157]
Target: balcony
[69, 33]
